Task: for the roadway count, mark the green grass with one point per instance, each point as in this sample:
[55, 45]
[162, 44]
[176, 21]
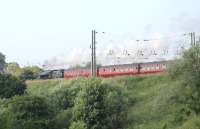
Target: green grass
[153, 100]
[45, 87]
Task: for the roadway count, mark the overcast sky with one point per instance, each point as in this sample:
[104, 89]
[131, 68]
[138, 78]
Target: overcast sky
[32, 31]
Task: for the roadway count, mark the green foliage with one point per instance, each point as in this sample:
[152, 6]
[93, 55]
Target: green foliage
[64, 98]
[26, 73]
[62, 120]
[11, 86]
[192, 123]
[78, 125]
[29, 73]
[181, 116]
[2, 111]
[187, 70]
[13, 68]
[154, 101]
[100, 105]
[27, 112]
[2, 62]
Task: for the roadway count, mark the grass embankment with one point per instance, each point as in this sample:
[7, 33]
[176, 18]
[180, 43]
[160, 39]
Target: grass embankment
[152, 98]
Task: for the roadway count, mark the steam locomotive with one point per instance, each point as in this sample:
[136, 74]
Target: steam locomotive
[108, 71]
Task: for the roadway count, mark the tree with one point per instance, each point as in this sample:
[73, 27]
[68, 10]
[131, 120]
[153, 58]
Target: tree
[27, 112]
[78, 125]
[11, 86]
[14, 69]
[101, 106]
[30, 72]
[2, 62]
[187, 71]
[62, 120]
[27, 74]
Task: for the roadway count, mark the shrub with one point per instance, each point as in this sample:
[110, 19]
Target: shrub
[187, 70]
[101, 106]
[62, 120]
[2, 62]
[78, 125]
[11, 86]
[27, 112]
[64, 98]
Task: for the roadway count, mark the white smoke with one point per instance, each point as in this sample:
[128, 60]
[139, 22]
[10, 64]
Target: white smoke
[154, 46]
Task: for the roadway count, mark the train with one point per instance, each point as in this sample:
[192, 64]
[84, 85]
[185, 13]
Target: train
[108, 71]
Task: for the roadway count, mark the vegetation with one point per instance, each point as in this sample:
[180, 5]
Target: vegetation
[26, 112]
[26, 73]
[11, 86]
[14, 69]
[2, 62]
[78, 125]
[29, 73]
[101, 106]
[165, 101]
[187, 71]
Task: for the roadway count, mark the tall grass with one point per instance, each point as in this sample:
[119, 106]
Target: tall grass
[153, 100]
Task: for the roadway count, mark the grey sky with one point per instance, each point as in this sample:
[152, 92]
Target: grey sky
[37, 30]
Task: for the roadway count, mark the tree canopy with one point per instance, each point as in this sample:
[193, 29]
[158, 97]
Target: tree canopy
[2, 62]
[27, 112]
[101, 106]
[11, 86]
[13, 68]
[187, 71]
[29, 72]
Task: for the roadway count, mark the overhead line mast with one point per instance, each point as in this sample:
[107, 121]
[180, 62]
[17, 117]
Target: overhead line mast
[193, 38]
[93, 59]
[92, 54]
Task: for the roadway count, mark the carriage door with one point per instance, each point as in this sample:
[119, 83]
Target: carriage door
[139, 68]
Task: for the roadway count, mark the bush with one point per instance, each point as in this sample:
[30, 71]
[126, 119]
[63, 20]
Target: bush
[27, 112]
[62, 120]
[78, 125]
[27, 74]
[11, 86]
[2, 62]
[101, 106]
[64, 98]
[187, 70]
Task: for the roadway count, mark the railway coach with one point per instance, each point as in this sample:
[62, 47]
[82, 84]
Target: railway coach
[120, 70]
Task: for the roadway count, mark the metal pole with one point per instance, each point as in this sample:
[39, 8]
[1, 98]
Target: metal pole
[95, 67]
[194, 38]
[191, 36]
[92, 46]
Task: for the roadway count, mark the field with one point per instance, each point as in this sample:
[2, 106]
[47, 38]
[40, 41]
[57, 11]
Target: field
[152, 101]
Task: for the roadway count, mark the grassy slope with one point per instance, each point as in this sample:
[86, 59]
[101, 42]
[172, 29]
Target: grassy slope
[153, 97]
